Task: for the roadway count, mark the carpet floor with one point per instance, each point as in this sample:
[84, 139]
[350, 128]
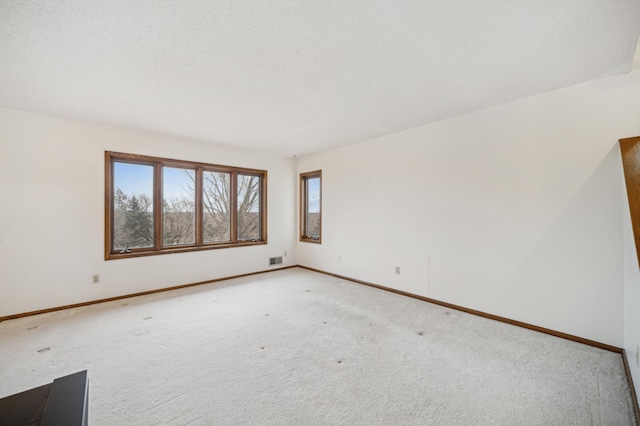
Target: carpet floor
[295, 347]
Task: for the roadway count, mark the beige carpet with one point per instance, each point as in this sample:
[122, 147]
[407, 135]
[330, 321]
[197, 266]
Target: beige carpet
[295, 347]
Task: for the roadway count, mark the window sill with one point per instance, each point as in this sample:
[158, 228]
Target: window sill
[176, 250]
[311, 240]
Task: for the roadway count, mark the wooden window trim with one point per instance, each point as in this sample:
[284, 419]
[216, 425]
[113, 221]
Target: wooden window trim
[303, 207]
[158, 163]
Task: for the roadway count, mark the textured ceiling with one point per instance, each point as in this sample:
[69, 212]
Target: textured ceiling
[300, 76]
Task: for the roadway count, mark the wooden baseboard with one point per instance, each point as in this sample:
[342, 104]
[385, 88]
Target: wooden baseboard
[478, 313]
[403, 293]
[634, 396]
[571, 337]
[142, 293]
[621, 351]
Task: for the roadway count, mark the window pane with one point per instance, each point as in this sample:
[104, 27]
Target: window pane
[249, 207]
[313, 207]
[215, 206]
[178, 206]
[132, 206]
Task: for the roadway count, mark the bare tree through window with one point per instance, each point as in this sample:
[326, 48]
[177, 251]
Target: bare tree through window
[178, 206]
[248, 207]
[216, 191]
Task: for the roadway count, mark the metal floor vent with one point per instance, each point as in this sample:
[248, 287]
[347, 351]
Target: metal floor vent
[275, 261]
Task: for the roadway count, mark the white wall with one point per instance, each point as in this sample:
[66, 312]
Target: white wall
[52, 215]
[515, 210]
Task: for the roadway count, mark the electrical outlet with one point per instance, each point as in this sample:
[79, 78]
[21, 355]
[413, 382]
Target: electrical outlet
[95, 279]
[339, 258]
[397, 270]
[285, 254]
[638, 356]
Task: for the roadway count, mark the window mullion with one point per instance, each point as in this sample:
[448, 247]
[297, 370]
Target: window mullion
[157, 205]
[263, 207]
[233, 207]
[198, 207]
[109, 204]
[306, 207]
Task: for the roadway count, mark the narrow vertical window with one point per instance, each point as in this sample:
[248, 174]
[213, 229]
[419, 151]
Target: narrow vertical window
[311, 206]
[132, 206]
[249, 206]
[178, 206]
[216, 195]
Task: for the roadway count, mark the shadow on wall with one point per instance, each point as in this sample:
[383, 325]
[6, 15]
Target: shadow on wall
[578, 262]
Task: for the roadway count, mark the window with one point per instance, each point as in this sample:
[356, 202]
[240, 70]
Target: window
[157, 206]
[178, 206]
[311, 207]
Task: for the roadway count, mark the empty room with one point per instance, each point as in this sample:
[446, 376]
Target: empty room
[319, 213]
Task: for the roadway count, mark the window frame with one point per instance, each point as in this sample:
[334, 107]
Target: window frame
[304, 203]
[158, 246]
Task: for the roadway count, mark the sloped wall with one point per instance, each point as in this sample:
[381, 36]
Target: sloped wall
[629, 149]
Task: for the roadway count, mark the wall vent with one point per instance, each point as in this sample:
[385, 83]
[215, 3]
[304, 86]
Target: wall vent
[275, 261]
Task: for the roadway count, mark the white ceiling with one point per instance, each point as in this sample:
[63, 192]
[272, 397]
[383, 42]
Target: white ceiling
[300, 76]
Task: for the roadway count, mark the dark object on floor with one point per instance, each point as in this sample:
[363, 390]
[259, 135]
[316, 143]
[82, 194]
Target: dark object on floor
[63, 402]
